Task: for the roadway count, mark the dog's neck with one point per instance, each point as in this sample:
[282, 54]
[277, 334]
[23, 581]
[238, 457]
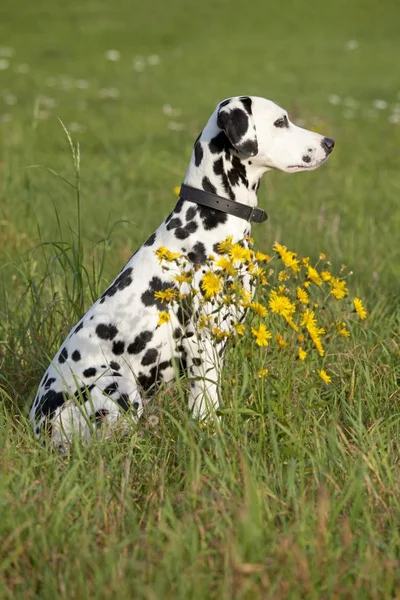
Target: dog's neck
[216, 167]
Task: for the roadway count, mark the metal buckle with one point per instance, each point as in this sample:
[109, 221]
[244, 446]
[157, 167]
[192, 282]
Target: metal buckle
[253, 209]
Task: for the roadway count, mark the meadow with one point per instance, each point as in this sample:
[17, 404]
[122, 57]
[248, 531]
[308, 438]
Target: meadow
[295, 492]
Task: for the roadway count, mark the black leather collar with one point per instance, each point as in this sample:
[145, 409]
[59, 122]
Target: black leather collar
[237, 209]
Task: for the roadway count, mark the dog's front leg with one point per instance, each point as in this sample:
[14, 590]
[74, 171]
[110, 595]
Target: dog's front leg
[204, 368]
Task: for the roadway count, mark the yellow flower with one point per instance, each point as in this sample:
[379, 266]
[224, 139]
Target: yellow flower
[246, 297]
[184, 277]
[211, 284]
[204, 321]
[300, 338]
[177, 189]
[324, 376]
[358, 305]
[326, 276]
[163, 317]
[163, 253]
[240, 329]
[219, 334]
[307, 284]
[322, 256]
[302, 295]
[305, 261]
[302, 354]
[342, 330]
[339, 289]
[313, 275]
[263, 373]
[281, 304]
[261, 334]
[281, 341]
[225, 245]
[211, 257]
[261, 257]
[226, 265]
[237, 252]
[259, 309]
[308, 319]
[283, 276]
[288, 258]
[166, 295]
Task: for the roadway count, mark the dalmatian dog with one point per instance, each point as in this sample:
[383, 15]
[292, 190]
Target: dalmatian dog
[116, 356]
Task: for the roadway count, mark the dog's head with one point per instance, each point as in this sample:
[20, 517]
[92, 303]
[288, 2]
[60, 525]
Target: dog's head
[259, 129]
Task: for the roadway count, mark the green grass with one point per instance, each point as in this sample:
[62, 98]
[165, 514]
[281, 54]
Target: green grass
[295, 493]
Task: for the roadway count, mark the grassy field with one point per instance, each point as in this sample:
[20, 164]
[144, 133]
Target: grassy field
[295, 494]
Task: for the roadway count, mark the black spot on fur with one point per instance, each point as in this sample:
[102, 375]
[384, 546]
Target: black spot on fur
[106, 332]
[174, 223]
[147, 382]
[198, 153]
[197, 361]
[249, 148]
[110, 389]
[90, 372]
[76, 355]
[50, 402]
[63, 356]
[211, 218]
[123, 281]
[247, 103]
[306, 158]
[178, 206]
[78, 327]
[150, 241]
[191, 213]
[140, 342]
[184, 311]
[182, 233]
[235, 123]
[219, 170]
[150, 357]
[208, 186]
[114, 365]
[118, 347]
[177, 333]
[48, 383]
[155, 285]
[198, 254]
[165, 364]
[123, 402]
[282, 122]
[82, 394]
[99, 415]
[237, 174]
[220, 143]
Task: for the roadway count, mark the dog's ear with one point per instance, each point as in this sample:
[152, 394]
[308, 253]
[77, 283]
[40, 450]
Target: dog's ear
[235, 118]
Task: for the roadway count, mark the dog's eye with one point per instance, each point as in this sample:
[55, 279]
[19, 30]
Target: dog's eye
[282, 122]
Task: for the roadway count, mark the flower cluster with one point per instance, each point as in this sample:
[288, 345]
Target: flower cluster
[277, 301]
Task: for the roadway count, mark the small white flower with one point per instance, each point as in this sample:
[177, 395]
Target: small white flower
[23, 68]
[153, 421]
[76, 128]
[6, 118]
[348, 114]
[42, 114]
[7, 52]
[380, 104]
[174, 126]
[111, 93]
[351, 45]
[10, 99]
[153, 60]
[113, 55]
[138, 64]
[171, 112]
[47, 101]
[394, 119]
[82, 84]
[4, 64]
[334, 99]
[51, 81]
[350, 102]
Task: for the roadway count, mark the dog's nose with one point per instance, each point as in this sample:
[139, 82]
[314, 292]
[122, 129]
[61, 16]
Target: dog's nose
[328, 144]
